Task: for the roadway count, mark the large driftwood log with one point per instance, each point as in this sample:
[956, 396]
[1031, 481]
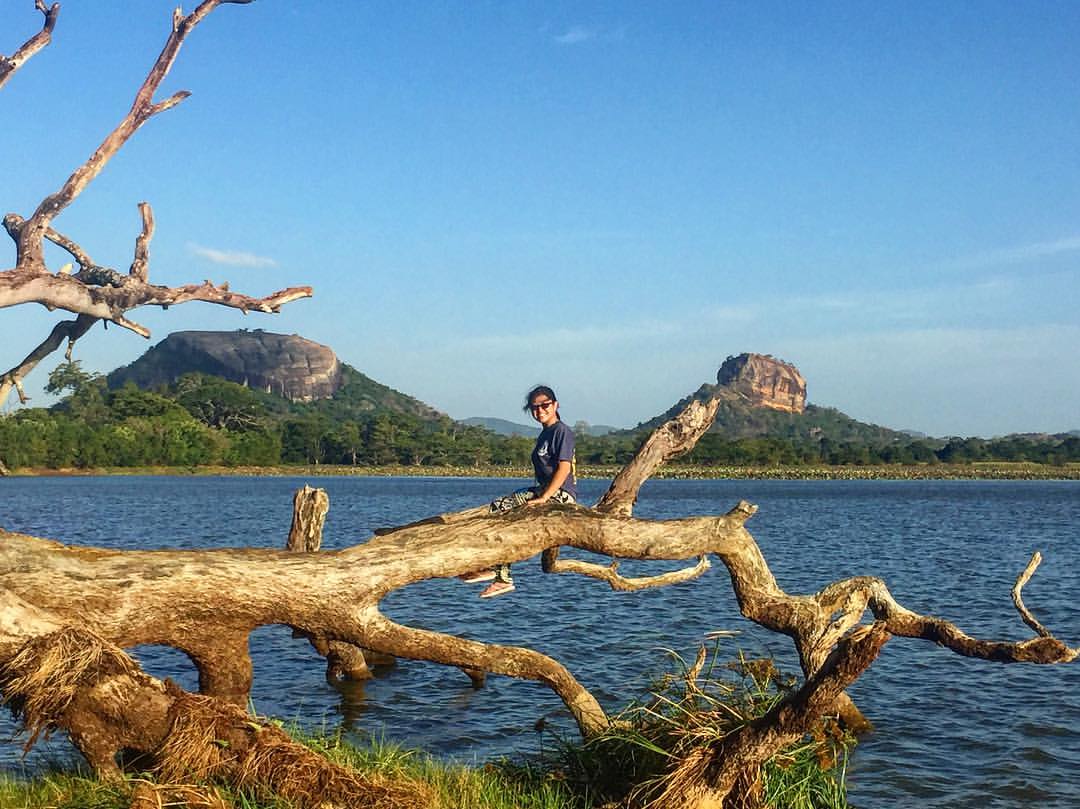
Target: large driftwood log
[66, 613]
[206, 603]
[94, 292]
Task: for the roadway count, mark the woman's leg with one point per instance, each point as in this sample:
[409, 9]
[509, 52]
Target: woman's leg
[502, 572]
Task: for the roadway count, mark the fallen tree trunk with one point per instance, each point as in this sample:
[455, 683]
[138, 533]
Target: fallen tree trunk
[206, 603]
[67, 613]
[75, 680]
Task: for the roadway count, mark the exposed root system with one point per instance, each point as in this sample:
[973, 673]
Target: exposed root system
[213, 741]
[40, 681]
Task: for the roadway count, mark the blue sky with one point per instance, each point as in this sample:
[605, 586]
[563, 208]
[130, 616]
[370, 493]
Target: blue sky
[606, 197]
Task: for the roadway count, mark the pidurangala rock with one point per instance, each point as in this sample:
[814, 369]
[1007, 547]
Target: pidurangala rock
[284, 364]
[765, 382]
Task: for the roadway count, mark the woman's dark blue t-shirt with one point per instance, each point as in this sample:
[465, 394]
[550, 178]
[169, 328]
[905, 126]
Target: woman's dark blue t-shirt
[554, 444]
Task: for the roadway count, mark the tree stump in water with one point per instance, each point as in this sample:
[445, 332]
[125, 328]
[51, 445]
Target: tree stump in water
[310, 507]
[344, 661]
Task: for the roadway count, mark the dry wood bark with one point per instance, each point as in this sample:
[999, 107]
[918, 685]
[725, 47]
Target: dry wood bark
[344, 661]
[73, 679]
[206, 603]
[9, 64]
[94, 292]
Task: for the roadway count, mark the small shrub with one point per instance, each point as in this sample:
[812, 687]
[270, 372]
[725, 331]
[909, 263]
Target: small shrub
[689, 710]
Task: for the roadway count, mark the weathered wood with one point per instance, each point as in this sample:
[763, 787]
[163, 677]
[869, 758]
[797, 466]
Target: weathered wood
[671, 439]
[77, 681]
[310, 507]
[9, 64]
[96, 292]
[344, 661]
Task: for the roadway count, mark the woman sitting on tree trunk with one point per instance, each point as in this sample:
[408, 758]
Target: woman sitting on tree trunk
[553, 464]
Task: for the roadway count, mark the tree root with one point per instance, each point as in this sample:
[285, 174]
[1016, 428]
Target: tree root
[75, 680]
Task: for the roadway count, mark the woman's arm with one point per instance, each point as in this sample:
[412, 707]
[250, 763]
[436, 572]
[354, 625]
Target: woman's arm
[562, 472]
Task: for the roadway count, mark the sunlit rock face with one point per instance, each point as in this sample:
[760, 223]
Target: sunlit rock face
[765, 382]
[283, 364]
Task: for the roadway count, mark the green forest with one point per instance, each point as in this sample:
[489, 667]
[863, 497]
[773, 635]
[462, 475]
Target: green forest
[202, 420]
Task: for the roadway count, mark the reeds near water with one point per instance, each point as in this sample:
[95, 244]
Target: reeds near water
[650, 745]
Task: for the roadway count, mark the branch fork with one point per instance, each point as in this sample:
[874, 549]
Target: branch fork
[96, 292]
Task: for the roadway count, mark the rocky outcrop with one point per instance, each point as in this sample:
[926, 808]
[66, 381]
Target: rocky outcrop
[765, 382]
[286, 365]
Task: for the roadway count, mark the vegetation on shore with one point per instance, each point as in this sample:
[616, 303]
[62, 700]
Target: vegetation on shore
[644, 753]
[980, 471]
[209, 423]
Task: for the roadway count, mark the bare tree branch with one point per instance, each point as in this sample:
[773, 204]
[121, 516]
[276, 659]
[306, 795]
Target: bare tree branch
[666, 442]
[384, 635]
[1021, 580]
[140, 263]
[708, 774]
[9, 64]
[66, 330]
[97, 292]
[553, 564]
[13, 224]
[30, 254]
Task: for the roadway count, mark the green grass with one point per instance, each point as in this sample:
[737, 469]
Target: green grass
[684, 709]
[696, 707]
[500, 785]
[61, 790]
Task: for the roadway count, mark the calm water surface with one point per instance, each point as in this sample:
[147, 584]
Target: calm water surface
[950, 732]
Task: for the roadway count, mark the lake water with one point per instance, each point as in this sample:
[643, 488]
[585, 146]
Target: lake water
[950, 732]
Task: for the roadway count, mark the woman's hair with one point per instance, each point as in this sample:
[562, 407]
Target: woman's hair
[540, 390]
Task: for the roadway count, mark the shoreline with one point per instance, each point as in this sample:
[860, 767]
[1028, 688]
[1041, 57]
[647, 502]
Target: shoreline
[975, 471]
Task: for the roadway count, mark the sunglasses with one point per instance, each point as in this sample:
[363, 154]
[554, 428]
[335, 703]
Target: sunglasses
[538, 406]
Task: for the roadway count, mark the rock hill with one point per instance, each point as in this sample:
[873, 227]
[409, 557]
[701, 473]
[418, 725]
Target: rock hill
[765, 382]
[764, 396]
[286, 365]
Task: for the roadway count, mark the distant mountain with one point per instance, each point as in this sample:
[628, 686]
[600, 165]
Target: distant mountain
[289, 366]
[504, 427]
[501, 426]
[764, 396]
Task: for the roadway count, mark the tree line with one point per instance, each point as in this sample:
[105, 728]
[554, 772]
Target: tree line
[207, 421]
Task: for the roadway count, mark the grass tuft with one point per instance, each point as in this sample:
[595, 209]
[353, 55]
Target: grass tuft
[661, 744]
[660, 738]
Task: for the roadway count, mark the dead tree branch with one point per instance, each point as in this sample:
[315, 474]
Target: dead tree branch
[552, 563]
[30, 256]
[97, 292]
[668, 441]
[708, 775]
[9, 64]
[65, 330]
[1021, 580]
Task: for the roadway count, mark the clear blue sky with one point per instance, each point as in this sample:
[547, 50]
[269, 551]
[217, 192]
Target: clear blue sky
[607, 197]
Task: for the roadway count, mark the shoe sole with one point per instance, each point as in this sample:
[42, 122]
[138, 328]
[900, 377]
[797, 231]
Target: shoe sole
[499, 592]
